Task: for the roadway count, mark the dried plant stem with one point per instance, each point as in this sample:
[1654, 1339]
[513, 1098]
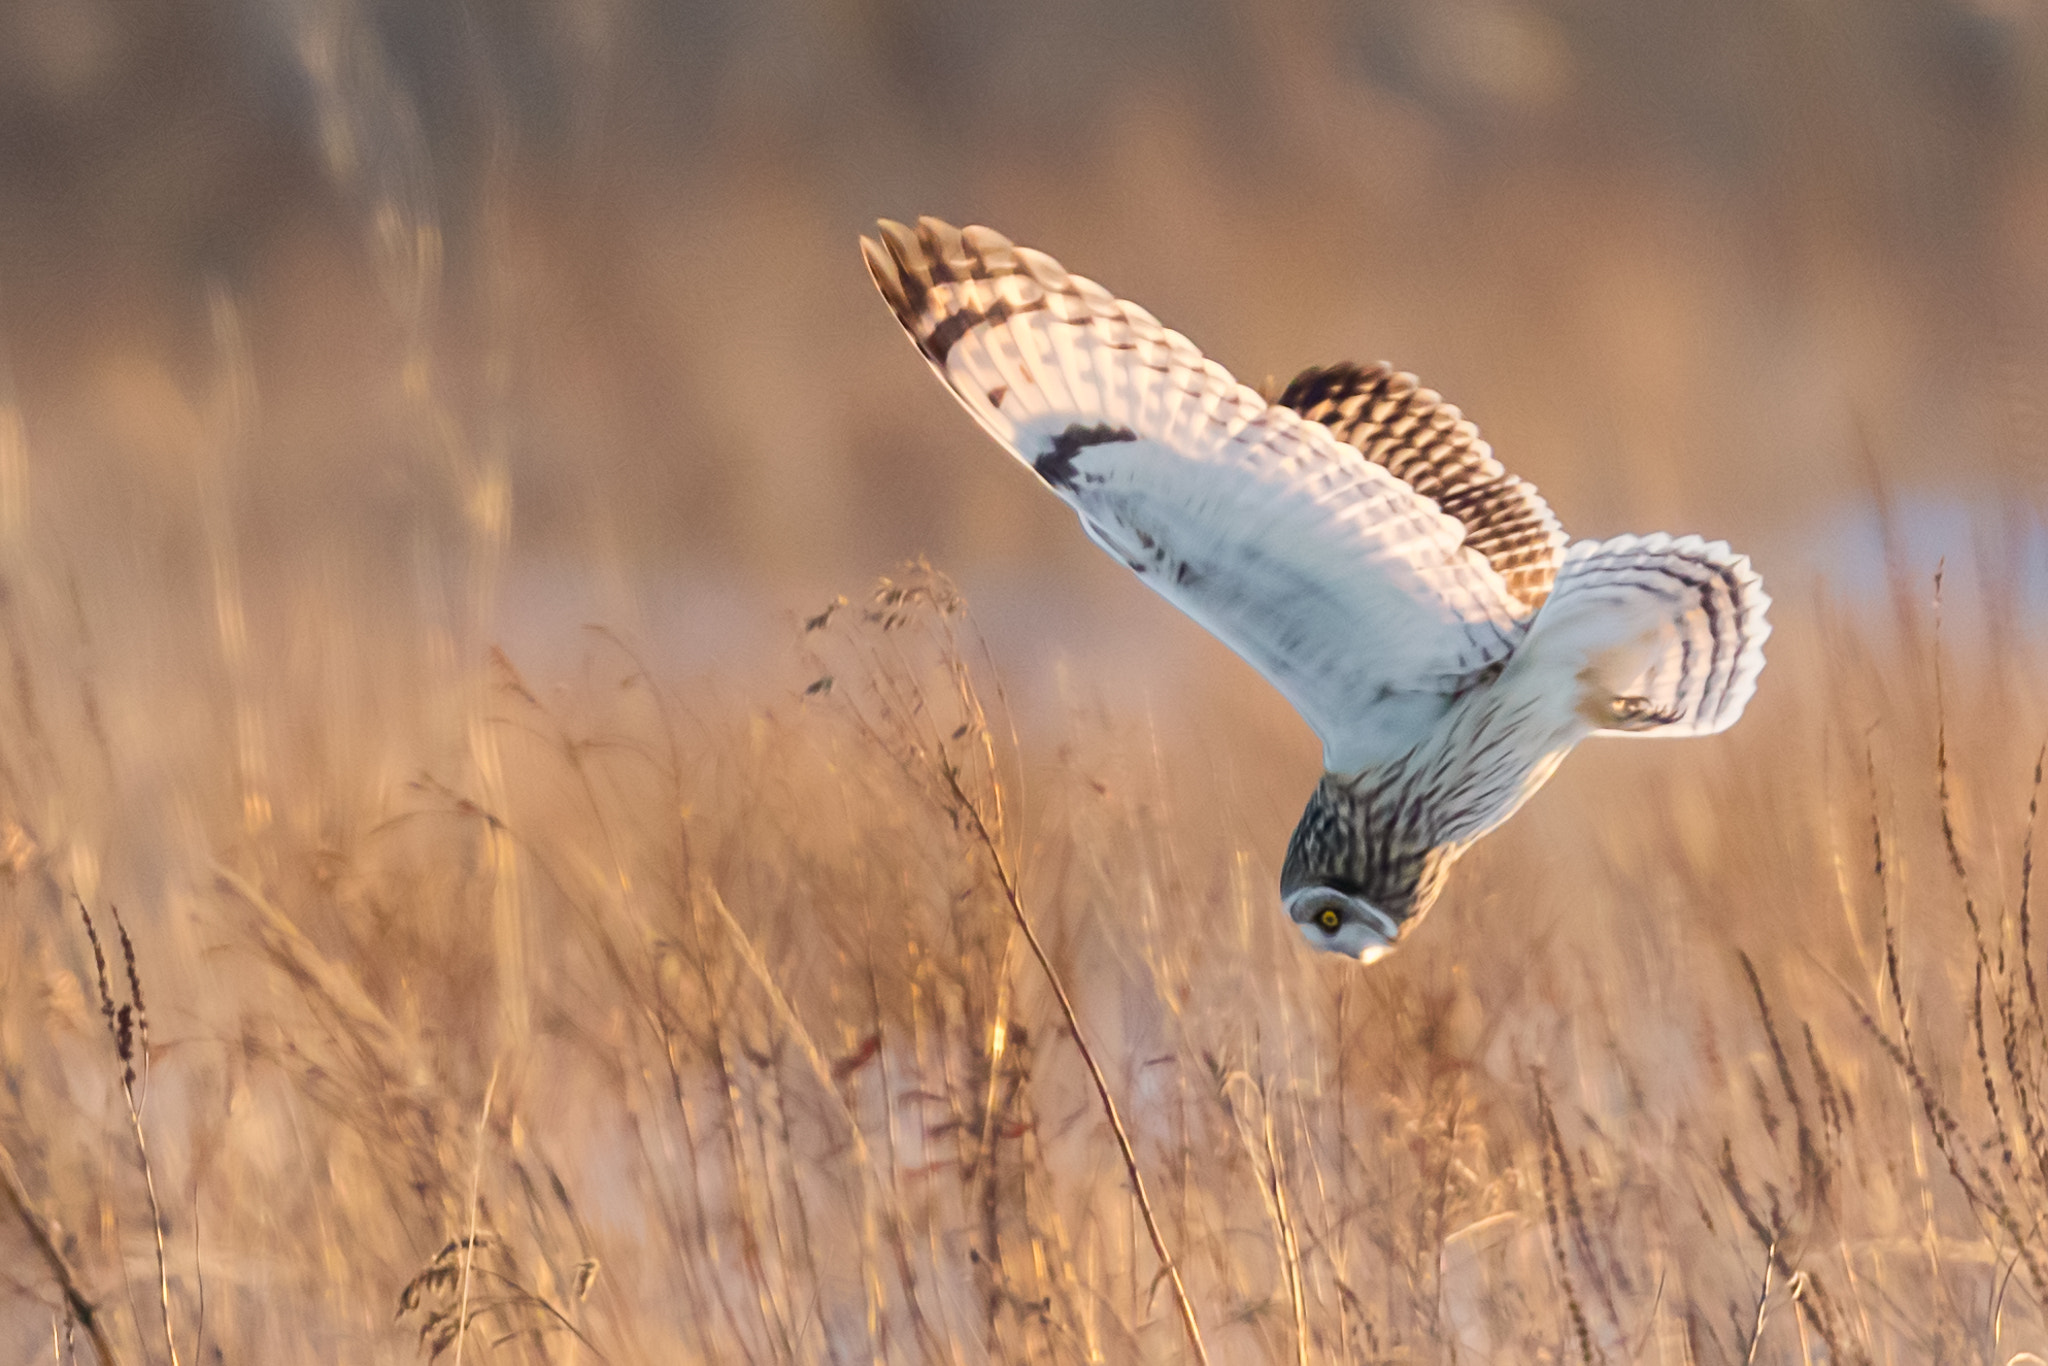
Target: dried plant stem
[156, 1220]
[81, 1308]
[1551, 1156]
[1290, 1243]
[1015, 902]
[476, 1176]
[128, 1028]
[1763, 1302]
[862, 1158]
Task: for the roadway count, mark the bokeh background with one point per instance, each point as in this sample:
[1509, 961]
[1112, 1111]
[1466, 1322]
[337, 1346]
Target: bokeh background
[1736, 271]
[357, 357]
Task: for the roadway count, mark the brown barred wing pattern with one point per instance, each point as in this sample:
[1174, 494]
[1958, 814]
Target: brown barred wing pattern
[1429, 445]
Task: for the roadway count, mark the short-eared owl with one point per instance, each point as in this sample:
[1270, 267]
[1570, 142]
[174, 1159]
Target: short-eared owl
[1359, 545]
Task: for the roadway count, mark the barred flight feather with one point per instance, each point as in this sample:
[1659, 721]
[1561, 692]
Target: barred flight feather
[1429, 445]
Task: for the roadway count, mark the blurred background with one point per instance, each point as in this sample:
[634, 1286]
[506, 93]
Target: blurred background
[365, 291]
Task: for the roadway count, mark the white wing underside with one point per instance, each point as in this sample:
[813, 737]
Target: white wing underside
[1355, 595]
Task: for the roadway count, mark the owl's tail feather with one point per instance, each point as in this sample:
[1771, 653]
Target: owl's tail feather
[1665, 634]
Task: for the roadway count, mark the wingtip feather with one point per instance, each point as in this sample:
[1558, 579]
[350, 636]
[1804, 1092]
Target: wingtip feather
[883, 271]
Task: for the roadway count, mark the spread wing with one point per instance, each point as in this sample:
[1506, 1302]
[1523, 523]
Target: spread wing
[1353, 592]
[1430, 446]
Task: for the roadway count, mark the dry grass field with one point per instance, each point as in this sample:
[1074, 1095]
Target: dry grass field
[487, 875]
[625, 1024]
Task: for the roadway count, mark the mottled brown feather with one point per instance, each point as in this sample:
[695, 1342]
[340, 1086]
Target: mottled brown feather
[1428, 444]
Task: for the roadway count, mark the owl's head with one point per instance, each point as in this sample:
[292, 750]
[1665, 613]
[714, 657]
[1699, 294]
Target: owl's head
[1337, 921]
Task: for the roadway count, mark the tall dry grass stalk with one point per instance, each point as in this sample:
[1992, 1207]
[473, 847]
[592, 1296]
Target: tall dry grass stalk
[128, 1032]
[81, 1310]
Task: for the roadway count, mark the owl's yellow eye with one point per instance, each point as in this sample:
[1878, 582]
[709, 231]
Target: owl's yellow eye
[1329, 919]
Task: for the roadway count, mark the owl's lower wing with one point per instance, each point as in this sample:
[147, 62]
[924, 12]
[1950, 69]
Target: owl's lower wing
[1662, 635]
[1353, 593]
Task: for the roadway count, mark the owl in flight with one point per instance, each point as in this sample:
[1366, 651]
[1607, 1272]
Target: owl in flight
[1356, 543]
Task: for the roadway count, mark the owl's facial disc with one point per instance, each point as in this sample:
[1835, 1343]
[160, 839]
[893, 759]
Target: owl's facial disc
[1338, 922]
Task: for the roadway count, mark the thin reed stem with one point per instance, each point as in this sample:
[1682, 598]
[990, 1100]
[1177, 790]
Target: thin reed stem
[476, 1175]
[863, 1159]
[128, 1028]
[1015, 901]
[75, 1300]
[1552, 1157]
[1763, 1302]
[156, 1221]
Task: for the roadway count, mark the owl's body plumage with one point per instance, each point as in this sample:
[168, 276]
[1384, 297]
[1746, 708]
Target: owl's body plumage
[1355, 542]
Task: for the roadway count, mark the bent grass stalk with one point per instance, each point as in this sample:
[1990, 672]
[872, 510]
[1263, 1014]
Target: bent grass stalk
[76, 1302]
[1015, 902]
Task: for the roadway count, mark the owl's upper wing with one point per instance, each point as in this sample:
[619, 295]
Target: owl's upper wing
[1355, 594]
[1430, 446]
